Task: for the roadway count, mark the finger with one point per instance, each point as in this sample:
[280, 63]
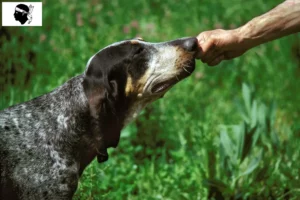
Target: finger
[217, 60]
[233, 54]
[213, 54]
[202, 37]
[208, 51]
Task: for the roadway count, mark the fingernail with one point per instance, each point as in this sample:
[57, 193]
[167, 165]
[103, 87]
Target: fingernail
[201, 42]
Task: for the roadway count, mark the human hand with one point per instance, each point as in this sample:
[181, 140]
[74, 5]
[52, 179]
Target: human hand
[218, 45]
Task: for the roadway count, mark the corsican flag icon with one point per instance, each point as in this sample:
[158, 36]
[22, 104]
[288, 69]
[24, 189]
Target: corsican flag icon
[21, 14]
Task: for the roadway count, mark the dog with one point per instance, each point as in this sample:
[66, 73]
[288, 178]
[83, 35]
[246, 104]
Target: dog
[47, 142]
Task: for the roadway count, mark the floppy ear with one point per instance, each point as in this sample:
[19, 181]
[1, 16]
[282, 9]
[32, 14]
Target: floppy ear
[101, 97]
[100, 92]
[96, 92]
[102, 86]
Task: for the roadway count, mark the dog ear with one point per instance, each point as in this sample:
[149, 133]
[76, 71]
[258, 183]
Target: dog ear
[102, 97]
[104, 85]
[96, 84]
[96, 93]
[106, 75]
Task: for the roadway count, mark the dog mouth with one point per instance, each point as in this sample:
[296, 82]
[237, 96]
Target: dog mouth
[163, 86]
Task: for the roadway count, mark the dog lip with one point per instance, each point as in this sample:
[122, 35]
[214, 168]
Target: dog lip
[187, 70]
[164, 85]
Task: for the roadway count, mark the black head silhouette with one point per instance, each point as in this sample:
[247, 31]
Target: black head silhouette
[21, 12]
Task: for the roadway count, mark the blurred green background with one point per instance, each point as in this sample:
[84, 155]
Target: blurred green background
[228, 132]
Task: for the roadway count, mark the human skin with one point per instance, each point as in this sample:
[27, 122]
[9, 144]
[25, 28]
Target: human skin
[218, 45]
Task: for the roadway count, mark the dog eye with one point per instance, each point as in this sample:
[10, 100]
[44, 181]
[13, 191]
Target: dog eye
[140, 50]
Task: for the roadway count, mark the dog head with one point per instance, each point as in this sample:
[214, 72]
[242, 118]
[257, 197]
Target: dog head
[124, 77]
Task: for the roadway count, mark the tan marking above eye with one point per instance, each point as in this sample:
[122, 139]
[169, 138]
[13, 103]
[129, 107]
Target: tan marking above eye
[134, 42]
[139, 38]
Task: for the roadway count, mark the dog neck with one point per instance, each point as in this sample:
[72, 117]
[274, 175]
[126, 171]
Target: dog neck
[89, 134]
[96, 129]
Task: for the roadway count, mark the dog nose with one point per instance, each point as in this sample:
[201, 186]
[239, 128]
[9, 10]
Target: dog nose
[189, 44]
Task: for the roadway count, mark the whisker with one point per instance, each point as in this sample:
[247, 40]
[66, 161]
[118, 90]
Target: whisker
[186, 70]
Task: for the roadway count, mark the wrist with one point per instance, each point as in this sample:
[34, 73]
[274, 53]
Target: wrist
[246, 36]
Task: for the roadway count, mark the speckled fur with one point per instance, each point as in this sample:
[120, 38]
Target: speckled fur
[38, 142]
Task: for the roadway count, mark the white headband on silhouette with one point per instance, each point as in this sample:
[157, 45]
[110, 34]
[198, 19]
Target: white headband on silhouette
[20, 10]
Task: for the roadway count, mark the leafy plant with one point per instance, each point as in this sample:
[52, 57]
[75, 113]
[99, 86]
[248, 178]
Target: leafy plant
[245, 151]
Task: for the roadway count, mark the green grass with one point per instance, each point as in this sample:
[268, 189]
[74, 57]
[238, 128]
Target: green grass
[230, 131]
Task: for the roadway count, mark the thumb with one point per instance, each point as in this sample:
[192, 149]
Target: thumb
[202, 37]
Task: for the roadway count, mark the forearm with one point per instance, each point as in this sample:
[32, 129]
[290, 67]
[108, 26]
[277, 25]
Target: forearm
[281, 21]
